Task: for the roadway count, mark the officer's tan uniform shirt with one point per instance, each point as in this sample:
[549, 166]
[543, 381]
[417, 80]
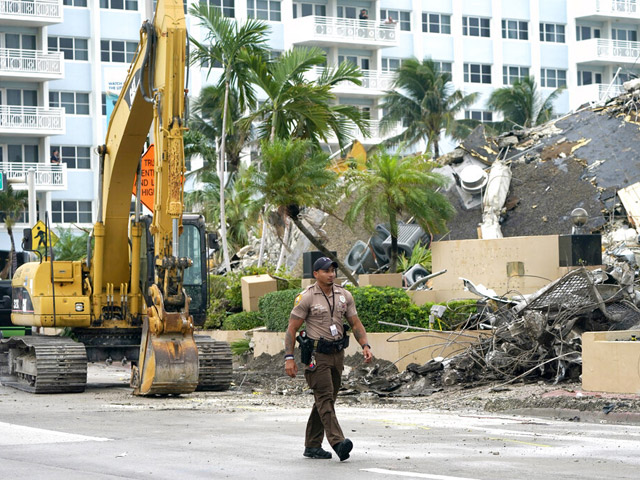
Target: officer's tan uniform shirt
[314, 307]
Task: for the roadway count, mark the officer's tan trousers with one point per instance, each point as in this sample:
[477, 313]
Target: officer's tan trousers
[325, 383]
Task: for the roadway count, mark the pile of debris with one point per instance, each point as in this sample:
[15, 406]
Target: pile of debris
[538, 337]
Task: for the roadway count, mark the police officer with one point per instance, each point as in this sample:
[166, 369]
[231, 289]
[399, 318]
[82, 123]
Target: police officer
[322, 306]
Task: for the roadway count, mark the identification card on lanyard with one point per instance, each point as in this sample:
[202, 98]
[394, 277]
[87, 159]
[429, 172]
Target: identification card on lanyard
[334, 330]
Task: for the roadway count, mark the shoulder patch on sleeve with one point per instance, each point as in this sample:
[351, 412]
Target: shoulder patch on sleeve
[297, 301]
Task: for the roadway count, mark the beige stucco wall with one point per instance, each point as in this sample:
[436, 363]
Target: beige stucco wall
[402, 348]
[485, 262]
[610, 361]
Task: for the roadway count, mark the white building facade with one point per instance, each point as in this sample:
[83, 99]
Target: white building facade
[58, 59]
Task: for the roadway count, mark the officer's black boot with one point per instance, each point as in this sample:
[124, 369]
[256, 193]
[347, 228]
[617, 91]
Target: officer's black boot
[343, 448]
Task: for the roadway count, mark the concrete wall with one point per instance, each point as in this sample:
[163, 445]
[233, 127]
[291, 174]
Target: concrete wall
[611, 361]
[486, 262]
[401, 348]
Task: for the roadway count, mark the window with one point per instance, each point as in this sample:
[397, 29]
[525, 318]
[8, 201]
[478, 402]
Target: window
[18, 217]
[117, 51]
[477, 73]
[512, 73]
[347, 12]
[586, 77]
[624, 35]
[551, 32]
[119, 4]
[444, 67]
[22, 153]
[553, 78]
[70, 211]
[23, 98]
[585, 33]
[401, 18]
[476, 27]
[74, 157]
[227, 6]
[307, 9]
[73, 48]
[75, 3]
[515, 30]
[390, 64]
[479, 115]
[20, 40]
[74, 103]
[362, 62]
[264, 9]
[436, 23]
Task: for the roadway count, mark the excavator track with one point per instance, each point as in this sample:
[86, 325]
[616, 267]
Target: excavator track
[43, 364]
[215, 364]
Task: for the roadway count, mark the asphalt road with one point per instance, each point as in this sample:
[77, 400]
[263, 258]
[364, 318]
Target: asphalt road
[105, 433]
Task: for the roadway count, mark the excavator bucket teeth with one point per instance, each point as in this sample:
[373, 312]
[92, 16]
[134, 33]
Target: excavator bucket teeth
[168, 364]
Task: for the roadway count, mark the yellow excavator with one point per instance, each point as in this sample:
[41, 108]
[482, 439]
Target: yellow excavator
[143, 287]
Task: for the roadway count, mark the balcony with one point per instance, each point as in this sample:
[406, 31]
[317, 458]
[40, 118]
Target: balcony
[30, 65]
[602, 10]
[602, 51]
[374, 83]
[344, 32]
[31, 121]
[30, 13]
[593, 94]
[48, 177]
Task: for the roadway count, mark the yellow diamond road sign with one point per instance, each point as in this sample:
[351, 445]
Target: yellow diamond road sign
[42, 236]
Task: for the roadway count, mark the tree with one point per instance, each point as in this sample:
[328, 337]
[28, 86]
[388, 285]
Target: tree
[423, 99]
[391, 187]
[70, 246]
[298, 108]
[294, 176]
[12, 204]
[230, 44]
[522, 104]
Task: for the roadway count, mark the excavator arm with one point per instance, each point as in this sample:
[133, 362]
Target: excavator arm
[152, 95]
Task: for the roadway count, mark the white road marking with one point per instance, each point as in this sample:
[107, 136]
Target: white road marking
[399, 473]
[12, 434]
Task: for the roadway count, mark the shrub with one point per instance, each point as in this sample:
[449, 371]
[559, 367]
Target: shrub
[384, 303]
[275, 308]
[243, 321]
[240, 347]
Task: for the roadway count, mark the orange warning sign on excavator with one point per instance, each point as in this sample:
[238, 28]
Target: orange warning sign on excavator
[147, 177]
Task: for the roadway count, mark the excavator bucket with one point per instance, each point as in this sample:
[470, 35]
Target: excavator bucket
[168, 362]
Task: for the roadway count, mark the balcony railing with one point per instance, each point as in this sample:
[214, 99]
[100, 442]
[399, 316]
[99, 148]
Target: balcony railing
[27, 63]
[367, 33]
[47, 176]
[603, 51]
[593, 94]
[371, 80]
[36, 11]
[21, 120]
[607, 8]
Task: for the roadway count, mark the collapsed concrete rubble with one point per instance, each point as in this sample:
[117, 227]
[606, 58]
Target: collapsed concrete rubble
[537, 337]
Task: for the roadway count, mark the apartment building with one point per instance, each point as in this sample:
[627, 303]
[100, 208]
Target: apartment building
[59, 58]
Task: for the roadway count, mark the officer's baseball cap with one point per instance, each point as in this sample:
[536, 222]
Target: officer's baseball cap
[323, 263]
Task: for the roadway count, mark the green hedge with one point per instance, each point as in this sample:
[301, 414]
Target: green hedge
[225, 296]
[373, 303]
[243, 321]
[275, 308]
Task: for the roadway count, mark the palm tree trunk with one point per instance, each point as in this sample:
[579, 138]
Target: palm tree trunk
[393, 230]
[263, 213]
[13, 258]
[316, 243]
[436, 149]
[223, 215]
[285, 240]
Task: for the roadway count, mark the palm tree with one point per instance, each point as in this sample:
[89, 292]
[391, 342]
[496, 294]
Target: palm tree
[298, 108]
[70, 246]
[392, 186]
[294, 175]
[522, 104]
[206, 119]
[231, 44]
[423, 99]
[12, 204]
